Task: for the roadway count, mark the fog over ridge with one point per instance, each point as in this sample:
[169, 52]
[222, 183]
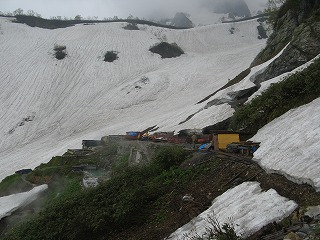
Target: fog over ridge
[110, 8]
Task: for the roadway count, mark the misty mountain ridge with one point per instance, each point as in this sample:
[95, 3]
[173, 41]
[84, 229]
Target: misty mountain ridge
[212, 12]
[238, 8]
[181, 20]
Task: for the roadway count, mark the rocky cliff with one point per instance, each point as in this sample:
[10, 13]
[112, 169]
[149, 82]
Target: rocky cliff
[237, 8]
[298, 25]
[181, 20]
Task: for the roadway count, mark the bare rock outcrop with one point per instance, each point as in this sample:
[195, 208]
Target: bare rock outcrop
[300, 27]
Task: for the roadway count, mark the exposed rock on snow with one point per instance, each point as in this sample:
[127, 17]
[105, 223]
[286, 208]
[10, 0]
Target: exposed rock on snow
[265, 85]
[246, 207]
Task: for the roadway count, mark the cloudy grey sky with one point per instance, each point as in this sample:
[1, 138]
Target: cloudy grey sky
[104, 8]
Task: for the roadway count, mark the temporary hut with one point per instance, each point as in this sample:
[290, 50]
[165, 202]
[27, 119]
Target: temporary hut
[222, 138]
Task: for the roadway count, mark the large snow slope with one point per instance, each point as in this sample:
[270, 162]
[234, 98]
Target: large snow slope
[290, 145]
[47, 105]
[246, 207]
[11, 203]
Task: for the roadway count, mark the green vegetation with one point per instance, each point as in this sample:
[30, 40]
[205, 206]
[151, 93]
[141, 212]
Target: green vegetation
[288, 5]
[57, 167]
[295, 6]
[298, 89]
[37, 21]
[219, 231]
[226, 232]
[262, 32]
[60, 51]
[122, 202]
[59, 48]
[272, 10]
[170, 156]
[216, 231]
[13, 184]
[167, 50]
[120, 166]
[131, 26]
[110, 56]
[33, 21]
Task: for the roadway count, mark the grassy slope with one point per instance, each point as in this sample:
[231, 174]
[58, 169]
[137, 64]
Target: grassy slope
[121, 202]
[13, 184]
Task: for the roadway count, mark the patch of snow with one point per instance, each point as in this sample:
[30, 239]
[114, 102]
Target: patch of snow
[313, 211]
[11, 203]
[246, 207]
[290, 145]
[203, 17]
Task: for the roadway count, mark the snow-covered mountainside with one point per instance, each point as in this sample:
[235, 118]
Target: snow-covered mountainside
[49, 105]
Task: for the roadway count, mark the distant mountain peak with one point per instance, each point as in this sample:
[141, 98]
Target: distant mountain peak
[181, 20]
[238, 8]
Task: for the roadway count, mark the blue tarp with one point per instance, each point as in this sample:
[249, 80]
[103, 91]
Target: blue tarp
[204, 146]
[133, 134]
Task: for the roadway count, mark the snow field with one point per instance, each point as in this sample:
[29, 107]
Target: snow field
[247, 82]
[82, 97]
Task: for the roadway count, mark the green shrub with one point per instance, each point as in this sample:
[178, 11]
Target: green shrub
[13, 184]
[120, 165]
[288, 5]
[226, 232]
[59, 48]
[174, 175]
[64, 188]
[131, 26]
[166, 50]
[167, 157]
[60, 55]
[216, 231]
[110, 56]
[60, 51]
